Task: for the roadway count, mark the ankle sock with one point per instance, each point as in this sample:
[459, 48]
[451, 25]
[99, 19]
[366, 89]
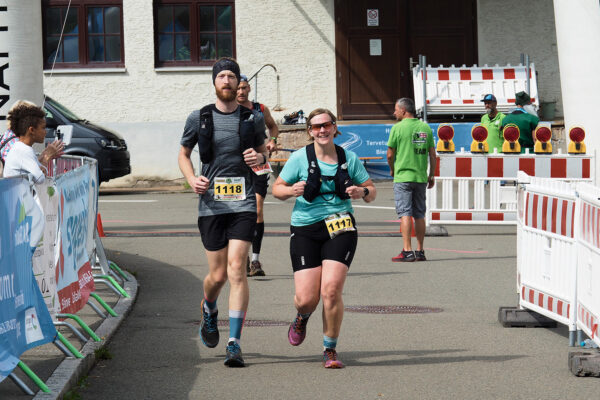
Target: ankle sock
[236, 322]
[329, 342]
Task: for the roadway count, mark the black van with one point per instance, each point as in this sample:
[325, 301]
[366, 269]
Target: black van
[89, 140]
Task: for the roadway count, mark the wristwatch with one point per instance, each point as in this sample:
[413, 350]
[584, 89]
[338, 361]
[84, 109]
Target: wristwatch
[366, 192]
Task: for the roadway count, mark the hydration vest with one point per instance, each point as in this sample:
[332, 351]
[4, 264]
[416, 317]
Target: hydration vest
[206, 131]
[341, 178]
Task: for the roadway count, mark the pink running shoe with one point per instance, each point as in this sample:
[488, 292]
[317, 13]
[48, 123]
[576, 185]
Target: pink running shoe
[330, 359]
[297, 331]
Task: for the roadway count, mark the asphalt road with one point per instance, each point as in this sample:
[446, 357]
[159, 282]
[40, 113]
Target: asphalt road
[459, 351]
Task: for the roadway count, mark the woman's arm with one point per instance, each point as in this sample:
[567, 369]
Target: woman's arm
[358, 191]
[283, 190]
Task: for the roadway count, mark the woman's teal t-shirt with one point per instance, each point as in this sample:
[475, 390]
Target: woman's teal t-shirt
[296, 169]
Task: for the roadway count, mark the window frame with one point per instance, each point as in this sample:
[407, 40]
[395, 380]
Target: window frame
[83, 42]
[194, 5]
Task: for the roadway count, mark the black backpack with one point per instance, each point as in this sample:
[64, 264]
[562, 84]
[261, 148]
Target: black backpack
[206, 131]
[341, 178]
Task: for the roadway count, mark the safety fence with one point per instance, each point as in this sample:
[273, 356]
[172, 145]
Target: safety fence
[51, 259]
[481, 188]
[558, 252]
[459, 90]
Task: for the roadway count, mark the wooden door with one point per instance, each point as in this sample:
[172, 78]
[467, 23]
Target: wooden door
[375, 40]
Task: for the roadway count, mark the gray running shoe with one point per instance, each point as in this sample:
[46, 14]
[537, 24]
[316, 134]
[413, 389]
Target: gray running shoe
[209, 333]
[256, 269]
[233, 355]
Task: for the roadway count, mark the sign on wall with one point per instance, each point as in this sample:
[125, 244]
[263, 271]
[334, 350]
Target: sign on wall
[373, 17]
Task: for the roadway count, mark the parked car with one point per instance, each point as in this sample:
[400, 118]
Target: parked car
[89, 140]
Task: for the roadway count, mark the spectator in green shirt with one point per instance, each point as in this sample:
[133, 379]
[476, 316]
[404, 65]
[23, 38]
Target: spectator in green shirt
[492, 120]
[524, 117]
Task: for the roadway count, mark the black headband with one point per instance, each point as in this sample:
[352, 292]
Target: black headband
[226, 64]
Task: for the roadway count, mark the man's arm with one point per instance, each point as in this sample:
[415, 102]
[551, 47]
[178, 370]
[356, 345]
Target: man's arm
[256, 156]
[391, 157]
[273, 130]
[199, 184]
[432, 165]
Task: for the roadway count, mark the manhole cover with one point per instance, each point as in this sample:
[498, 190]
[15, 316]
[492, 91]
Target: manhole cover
[251, 322]
[392, 309]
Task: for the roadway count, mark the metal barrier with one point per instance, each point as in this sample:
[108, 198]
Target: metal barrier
[459, 90]
[481, 188]
[546, 249]
[64, 164]
[588, 260]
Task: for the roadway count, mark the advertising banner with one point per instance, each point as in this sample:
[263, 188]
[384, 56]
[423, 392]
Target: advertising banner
[44, 257]
[74, 279]
[24, 319]
[91, 164]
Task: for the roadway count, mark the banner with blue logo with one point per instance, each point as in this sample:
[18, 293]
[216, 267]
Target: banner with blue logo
[74, 279]
[370, 140]
[24, 319]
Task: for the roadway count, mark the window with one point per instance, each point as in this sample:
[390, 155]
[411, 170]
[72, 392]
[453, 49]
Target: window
[92, 36]
[193, 32]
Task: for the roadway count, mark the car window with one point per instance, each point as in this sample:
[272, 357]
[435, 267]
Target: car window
[68, 114]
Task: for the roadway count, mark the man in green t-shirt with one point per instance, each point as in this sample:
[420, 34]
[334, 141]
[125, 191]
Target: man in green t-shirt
[410, 148]
[492, 120]
[525, 117]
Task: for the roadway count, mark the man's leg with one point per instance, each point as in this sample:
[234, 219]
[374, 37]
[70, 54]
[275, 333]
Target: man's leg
[406, 227]
[213, 283]
[238, 299]
[256, 266]
[420, 232]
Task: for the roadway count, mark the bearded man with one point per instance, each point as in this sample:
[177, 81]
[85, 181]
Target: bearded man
[230, 141]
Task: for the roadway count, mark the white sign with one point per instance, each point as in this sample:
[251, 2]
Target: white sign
[373, 17]
[375, 47]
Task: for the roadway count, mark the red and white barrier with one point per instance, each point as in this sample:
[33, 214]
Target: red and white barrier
[588, 260]
[481, 188]
[546, 249]
[459, 90]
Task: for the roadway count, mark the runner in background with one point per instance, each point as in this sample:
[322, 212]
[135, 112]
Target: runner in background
[261, 183]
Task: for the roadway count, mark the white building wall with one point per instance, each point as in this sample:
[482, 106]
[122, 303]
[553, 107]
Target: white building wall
[148, 106]
[507, 28]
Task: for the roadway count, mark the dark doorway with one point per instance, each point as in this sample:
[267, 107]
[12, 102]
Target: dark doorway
[376, 39]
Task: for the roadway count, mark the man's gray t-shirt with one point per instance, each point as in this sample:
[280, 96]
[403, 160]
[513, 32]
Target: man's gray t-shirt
[227, 160]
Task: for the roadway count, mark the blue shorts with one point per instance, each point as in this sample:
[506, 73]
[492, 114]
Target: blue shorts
[410, 199]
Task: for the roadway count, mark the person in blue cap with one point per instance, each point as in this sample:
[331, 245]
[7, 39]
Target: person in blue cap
[492, 120]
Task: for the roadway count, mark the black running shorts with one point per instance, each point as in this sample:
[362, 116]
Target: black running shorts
[261, 183]
[217, 230]
[311, 244]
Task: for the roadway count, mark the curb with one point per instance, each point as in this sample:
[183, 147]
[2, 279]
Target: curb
[70, 370]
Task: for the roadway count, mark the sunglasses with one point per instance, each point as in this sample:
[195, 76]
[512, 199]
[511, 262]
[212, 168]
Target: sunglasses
[317, 127]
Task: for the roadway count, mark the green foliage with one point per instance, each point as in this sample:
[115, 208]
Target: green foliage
[103, 354]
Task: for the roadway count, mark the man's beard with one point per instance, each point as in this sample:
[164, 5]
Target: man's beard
[489, 111]
[224, 96]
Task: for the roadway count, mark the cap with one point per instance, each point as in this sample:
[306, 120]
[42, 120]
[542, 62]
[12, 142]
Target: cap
[224, 64]
[489, 97]
[243, 78]
[522, 98]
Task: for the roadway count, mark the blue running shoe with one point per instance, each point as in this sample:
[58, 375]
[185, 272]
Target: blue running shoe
[233, 355]
[209, 333]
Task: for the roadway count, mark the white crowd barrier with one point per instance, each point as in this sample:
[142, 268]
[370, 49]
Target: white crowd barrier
[558, 252]
[459, 90]
[588, 260]
[481, 188]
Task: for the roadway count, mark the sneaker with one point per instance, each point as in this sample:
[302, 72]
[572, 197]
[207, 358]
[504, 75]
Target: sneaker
[405, 256]
[248, 266]
[233, 355]
[209, 333]
[330, 359]
[256, 269]
[420, 255]
[297, 331]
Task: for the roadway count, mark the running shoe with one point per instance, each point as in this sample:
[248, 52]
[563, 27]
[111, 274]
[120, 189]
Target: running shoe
[209, 333]
[233, 355]
[256, 269]
[297, 331]
[405, 256]
[420, 255]
[330, 359]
